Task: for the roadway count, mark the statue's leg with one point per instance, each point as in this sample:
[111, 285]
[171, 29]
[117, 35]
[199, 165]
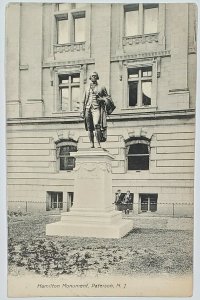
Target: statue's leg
[91, 138]
[98, 134]
[96, 121]
[89, 122]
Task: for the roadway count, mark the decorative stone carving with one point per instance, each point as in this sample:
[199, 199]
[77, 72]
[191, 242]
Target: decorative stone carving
[65, 134]
[71, 47]
[145, 55]
[140, 39]
[137, 133]
[91, 169]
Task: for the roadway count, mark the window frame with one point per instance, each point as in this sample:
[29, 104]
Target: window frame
[147, 6]
[59, 145]
[78, 15]
[149, 204]
[139, 80]
[141, 9]
[58, 51]
[59, 19]
[132, 44]
[70, 15]
[129, 8]
[70, 85]
[51, 204]
[140, 64]
[62, 72]
[134, 141]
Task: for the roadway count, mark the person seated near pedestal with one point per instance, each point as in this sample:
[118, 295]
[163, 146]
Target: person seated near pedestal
[126, 201]
[97, 104]
[118, 198]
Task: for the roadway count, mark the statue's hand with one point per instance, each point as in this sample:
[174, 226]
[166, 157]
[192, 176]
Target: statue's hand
[101, 100]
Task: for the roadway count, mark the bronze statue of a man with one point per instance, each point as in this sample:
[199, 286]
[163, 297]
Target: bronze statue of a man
[96, 105]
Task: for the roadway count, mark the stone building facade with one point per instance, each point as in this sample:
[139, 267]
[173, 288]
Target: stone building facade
[145, 55]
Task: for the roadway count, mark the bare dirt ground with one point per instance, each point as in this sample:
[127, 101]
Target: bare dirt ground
[142, 251]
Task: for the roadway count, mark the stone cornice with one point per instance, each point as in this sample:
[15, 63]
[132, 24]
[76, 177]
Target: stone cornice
[156, 115]
[179, 114]
[55, 63]
[141, 55]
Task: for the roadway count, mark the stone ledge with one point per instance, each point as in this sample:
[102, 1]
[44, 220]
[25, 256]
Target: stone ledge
[162, 114]
[88, 217]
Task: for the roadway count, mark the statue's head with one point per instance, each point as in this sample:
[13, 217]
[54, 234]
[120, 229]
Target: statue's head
[94, 75]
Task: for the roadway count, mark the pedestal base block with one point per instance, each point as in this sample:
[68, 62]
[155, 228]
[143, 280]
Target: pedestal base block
[83, 223]
[89, 228]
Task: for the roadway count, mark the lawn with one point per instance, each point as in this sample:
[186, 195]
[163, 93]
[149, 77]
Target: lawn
[142, 251]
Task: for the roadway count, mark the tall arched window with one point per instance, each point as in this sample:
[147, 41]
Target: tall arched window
[64, 153]
[138, 154]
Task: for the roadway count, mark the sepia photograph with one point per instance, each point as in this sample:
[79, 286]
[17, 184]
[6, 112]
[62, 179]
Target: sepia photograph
[100, 148]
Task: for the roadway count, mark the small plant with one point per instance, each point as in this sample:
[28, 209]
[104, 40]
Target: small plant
[17, 213]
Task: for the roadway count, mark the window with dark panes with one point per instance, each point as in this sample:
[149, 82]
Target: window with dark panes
[144, 203]
[148, 202]
[56, 200]
[138, 156]
[133, 93]
[137, 152]
[139, 86]
[67, 161]
[69, 92]
[153, 203]
[133, 75]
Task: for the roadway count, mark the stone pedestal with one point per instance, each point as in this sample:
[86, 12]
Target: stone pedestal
[92, 214]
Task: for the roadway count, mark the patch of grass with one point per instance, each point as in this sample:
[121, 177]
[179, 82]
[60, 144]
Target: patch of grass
[141, 251]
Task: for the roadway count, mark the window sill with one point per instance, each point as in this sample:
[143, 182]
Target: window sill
[67, 113]
[137, 109]
[68, 174]
[137, 171]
